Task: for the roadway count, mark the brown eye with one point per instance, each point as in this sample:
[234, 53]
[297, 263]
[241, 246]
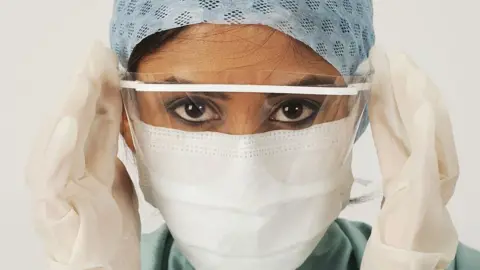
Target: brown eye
[194, 110]
[191, 110]
[294, 111]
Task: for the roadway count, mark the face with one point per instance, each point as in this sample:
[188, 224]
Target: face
[242, 54]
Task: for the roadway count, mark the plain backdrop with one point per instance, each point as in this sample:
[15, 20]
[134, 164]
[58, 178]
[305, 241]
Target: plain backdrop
[44, 42]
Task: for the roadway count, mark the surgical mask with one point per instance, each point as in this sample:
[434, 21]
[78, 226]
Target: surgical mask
[249, 201]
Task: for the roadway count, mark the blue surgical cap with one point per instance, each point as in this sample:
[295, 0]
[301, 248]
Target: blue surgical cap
[341, 31]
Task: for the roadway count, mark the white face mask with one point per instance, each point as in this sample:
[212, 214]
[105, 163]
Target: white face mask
[257, 202]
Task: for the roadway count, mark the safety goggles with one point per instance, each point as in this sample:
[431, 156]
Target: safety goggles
[199, 102]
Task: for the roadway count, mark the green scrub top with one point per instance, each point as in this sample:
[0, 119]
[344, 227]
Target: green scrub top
[340, 249]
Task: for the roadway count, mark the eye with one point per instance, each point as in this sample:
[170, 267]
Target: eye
[295, 110]
[194, 110]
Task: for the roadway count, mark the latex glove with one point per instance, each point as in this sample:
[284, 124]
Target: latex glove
[84, 209]
[418, 161]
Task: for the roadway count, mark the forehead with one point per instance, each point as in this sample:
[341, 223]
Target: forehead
[209, 48]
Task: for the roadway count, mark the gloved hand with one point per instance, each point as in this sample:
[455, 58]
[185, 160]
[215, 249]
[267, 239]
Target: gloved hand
[84, 203]
[418, 161]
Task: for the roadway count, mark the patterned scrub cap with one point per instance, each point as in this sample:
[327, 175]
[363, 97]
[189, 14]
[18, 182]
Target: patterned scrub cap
[341, 31]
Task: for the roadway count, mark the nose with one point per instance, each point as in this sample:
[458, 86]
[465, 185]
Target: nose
[243, 123]
[245, 114]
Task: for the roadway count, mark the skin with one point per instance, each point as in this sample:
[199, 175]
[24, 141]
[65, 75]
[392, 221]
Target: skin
[238, 54]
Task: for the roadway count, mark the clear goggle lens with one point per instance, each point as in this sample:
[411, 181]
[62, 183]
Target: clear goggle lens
[256, 104]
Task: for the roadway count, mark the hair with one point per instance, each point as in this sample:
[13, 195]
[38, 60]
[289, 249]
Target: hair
[150, 45]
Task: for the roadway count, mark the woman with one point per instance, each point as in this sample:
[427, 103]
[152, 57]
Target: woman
[242, 116]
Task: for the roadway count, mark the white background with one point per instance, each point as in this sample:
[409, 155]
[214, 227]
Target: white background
[42, 42]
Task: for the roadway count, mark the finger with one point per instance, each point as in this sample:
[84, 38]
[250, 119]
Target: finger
[43, 141]
[49, 168]
[88, 88]
[421, 89]
[56, 149]
[101, 225]
[386, 125]
[57, 155]
[445, 145]
[410, 196]
[423, 148]
[384, 104]
[447, 158]
[101, 143]
[99, 74]
[83, 112]
[423, 186]
[421, 166]
[410, 96]
[103, 65]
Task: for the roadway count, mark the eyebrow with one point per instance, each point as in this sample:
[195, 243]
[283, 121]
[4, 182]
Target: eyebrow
[175, 80]
[312, 80]
[308, 80]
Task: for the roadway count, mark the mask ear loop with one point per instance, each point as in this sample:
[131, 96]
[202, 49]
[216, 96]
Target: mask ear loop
[373, 192]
